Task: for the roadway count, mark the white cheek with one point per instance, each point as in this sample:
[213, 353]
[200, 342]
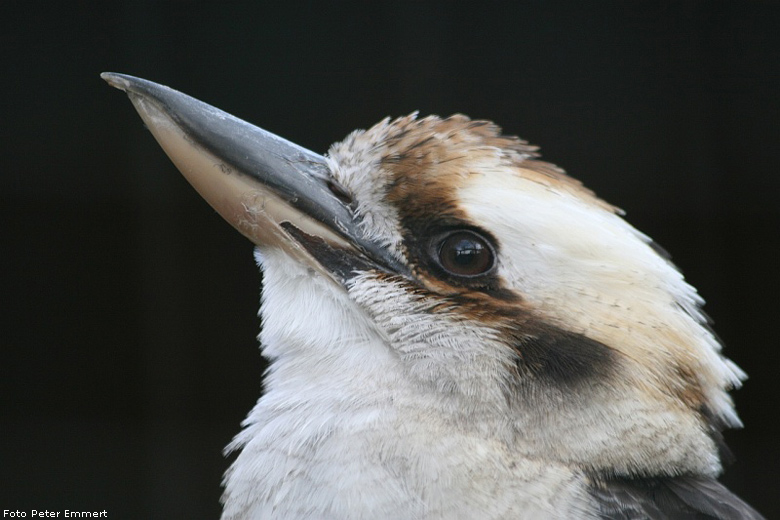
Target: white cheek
[589, 271]
[579, 264]
[552, 241]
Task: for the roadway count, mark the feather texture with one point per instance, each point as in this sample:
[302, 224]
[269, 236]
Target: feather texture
[680, 498]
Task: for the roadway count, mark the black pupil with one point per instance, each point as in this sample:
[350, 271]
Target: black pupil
[465, 254]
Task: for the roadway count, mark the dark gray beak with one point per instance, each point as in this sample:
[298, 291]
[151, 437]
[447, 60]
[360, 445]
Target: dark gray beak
[274, 192]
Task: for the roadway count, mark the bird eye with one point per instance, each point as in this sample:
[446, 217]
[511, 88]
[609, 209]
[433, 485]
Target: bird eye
[464, 253]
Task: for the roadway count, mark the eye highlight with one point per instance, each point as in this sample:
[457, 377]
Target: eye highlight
[465, 254]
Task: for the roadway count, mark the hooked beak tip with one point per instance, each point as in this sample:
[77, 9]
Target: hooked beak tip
[115, 80]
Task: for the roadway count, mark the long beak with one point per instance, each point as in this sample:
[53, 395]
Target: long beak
[274, 192]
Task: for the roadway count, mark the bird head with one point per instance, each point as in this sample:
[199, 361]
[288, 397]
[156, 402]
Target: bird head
[482, 283]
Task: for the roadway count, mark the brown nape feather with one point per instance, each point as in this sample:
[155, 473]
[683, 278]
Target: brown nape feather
[423, 154]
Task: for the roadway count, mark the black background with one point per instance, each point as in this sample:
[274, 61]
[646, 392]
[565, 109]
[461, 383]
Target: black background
[129, 306]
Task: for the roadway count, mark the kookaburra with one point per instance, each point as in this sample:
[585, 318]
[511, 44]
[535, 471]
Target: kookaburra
[455, 330]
